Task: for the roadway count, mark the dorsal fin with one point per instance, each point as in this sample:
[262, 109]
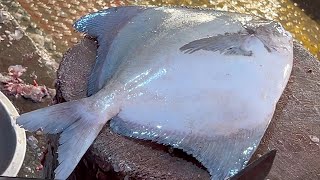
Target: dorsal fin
[104, 25]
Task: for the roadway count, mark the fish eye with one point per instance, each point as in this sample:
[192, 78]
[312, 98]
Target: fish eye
[278, 27]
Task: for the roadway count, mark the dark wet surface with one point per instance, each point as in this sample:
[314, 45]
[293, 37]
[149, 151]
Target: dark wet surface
[23, 52]
[311, 8]
[55, 17]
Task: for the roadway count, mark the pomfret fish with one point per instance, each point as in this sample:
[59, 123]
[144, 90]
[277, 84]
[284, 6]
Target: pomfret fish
[204, 81]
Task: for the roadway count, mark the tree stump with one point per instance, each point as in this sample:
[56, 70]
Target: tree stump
[112, 156]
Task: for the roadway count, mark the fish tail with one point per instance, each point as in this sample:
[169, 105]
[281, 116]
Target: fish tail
[78, 123]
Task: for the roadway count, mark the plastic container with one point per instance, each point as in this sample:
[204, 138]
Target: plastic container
[12, 139]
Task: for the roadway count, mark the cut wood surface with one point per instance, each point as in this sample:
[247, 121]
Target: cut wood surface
[111, 156]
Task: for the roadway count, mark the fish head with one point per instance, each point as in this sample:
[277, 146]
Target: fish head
[271, 34]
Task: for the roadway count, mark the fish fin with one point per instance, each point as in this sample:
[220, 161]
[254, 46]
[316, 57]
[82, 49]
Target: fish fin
[258, 169]
[104, 25]
[228, 44]
[223, 156]
[78, 127]
[52, 119]
[74, 142]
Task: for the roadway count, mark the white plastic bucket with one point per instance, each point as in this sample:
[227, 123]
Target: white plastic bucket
[12, 139]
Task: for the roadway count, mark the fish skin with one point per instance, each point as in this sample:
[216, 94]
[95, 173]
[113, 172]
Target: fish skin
[212, 102]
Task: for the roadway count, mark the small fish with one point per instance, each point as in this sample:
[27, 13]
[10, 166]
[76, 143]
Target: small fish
[204, 81]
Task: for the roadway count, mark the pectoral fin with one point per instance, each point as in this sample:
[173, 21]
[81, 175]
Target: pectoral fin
[229, 44]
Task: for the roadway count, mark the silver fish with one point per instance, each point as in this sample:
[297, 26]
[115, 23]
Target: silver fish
[204, 81]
